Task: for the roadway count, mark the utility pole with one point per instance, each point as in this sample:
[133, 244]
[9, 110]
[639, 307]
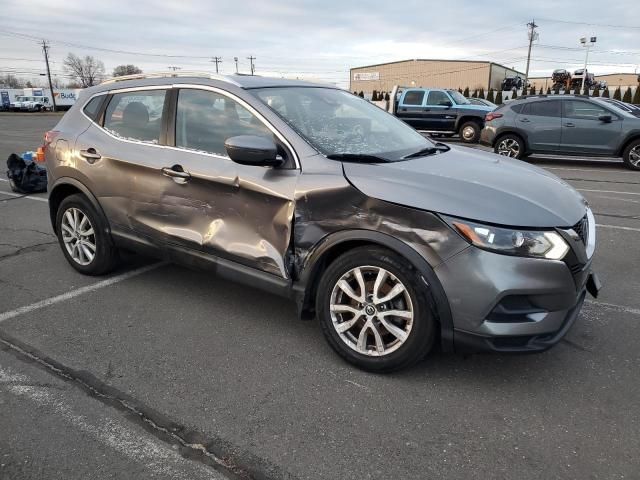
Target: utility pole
[532, 36]
[251, 59]
[235, 59]
[45, 49]
[217, 60]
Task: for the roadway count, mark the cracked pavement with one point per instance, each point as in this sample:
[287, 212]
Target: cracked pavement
[233, 370]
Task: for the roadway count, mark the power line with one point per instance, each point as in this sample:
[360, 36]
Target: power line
[604, 25]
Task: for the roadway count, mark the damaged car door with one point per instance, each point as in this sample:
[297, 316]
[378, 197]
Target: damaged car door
[213, 205]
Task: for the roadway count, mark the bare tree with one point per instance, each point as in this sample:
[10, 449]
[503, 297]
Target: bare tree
[9, 81]
[122, 70]
[88, 71]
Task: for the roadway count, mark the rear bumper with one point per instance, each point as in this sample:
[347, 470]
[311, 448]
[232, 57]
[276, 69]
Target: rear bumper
[487, 136]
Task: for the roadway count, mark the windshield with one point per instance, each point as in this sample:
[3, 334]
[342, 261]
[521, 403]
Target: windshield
[337, 123]
[458, 97]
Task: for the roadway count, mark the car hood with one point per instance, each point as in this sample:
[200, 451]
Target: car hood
[477, 108]
[475, 185]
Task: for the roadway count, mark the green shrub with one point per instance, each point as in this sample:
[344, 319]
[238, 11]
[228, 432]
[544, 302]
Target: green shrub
[548, 90]
[498, 100]
[596, 91]
[617, 95]
[636, 97]
[605, 93]
[627, 96]
[491, 96]
[481, 94]
[466, 92]
[532, 90]
[586, 90]
[386, 96]
[361, 94]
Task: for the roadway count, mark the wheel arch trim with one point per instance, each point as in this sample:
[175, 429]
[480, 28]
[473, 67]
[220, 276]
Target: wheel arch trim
[311, 271]
[63, 182]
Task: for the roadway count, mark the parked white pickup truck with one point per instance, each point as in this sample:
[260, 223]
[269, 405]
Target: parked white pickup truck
[31, 104]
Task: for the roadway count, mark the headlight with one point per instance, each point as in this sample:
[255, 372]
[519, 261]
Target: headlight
[525, 243]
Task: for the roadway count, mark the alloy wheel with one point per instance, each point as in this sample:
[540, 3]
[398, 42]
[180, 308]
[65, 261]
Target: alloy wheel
[78, 236]
[509, 147]
[634, 156]
[371, 310]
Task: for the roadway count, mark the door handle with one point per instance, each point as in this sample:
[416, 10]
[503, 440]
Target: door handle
[90, 155]
[525, 120]
[569, 124]
[177, 173]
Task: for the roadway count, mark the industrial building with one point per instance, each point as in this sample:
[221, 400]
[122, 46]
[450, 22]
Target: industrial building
[429, 73]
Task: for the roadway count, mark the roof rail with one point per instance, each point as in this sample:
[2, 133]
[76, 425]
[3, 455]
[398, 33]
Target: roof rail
[141, 76]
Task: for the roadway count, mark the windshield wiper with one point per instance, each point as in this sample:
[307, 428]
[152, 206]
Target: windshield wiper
[358, 157]
[437, 148]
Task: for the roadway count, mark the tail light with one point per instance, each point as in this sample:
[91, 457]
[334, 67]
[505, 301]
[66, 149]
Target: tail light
[492, 116]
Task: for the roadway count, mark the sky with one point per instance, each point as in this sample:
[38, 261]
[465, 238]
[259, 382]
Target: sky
[312, 40]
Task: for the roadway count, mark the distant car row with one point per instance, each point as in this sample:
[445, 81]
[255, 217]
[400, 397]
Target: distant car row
[565, 125]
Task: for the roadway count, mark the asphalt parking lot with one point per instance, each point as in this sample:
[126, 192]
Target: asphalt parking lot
[156, 371]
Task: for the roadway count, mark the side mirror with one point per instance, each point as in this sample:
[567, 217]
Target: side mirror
[605, 118]
[253, 150]
[446, 103]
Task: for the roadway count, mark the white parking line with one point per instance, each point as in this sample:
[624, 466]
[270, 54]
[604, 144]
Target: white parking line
[618, 227]
[131, 442]
[608, 191]
[21, 195]
[79, 291]
[621, 308]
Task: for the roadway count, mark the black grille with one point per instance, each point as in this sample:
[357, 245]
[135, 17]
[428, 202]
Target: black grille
[582, 229]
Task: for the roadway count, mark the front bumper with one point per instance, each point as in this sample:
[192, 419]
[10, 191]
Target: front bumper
[505, 303]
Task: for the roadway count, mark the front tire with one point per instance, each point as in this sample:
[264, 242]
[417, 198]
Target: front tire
[631, 155]
[374, 310]
[470, 132]
[83, 237]
[510, 146]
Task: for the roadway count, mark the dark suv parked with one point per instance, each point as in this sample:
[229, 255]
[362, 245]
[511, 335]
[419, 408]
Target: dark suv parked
[310, 192]
[566, 125]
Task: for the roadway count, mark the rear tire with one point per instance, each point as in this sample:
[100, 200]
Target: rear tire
[391, 341]
[83, 236]
[470, 131]
[510, 145]
[631, 155]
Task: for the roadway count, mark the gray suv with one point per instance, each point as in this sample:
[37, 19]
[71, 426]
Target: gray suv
[565, 125]
[393, 242]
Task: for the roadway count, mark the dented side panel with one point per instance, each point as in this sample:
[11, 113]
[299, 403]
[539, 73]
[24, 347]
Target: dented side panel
[327, 203]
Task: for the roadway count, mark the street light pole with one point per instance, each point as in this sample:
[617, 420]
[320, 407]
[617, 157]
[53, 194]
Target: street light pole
[587, 45]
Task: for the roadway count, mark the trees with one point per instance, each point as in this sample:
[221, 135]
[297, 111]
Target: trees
[627, 95]
[490, 96]
[617, 95]
[605, 93]
[386, 96]
[586, 89]
[361, 94]
[88, 71]
[636, 97]
[122, 70]
[596, 91]
[481, 94]
[548, 90]
[499, 98]
[10, 81]
[466, 92]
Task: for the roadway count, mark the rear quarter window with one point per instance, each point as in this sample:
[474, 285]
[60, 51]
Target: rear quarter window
[413, 97]
[92, 108]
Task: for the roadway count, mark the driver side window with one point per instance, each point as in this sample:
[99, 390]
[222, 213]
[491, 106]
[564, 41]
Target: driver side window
[206, 119]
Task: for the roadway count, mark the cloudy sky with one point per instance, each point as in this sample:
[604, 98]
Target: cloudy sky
[314, 40]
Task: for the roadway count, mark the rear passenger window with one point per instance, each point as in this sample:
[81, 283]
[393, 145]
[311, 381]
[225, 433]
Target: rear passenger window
[92, 108]
[544, 109]
[414, 97]
[136, 115]
[205, 120]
